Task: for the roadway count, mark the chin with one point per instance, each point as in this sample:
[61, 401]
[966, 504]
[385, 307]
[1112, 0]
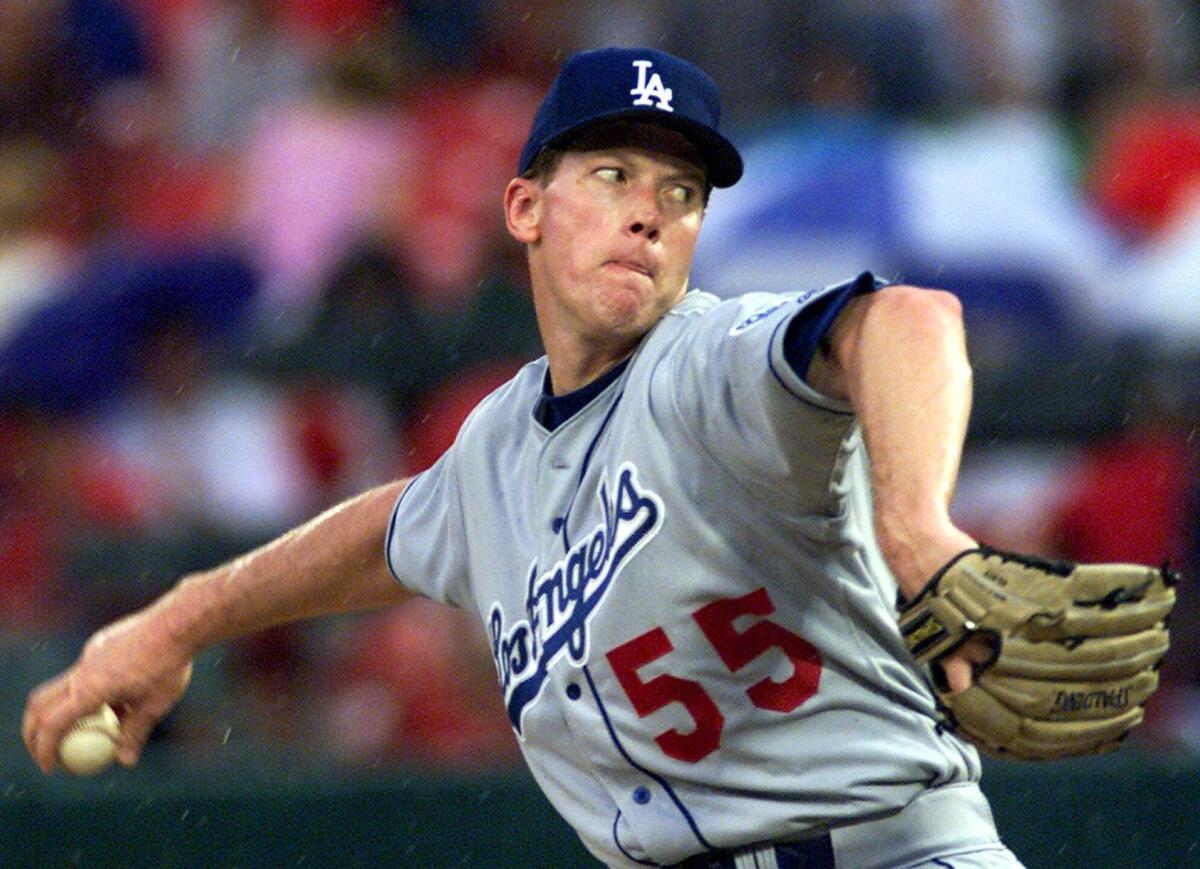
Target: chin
[624, 310]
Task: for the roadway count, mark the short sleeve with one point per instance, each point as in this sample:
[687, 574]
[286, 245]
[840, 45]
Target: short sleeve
[811, 324]
[425, 546]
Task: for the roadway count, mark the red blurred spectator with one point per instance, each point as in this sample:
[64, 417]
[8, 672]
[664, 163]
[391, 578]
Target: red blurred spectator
[36, 509]
[339, 434]
[1147, 164]
[1128, 499]
[470, 135]
[418, 685]
[331, 21]
[194, 446]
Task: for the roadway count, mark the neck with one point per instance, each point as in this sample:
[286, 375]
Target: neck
[582, 346]
[577, 355]
[575, 364]
[577, 352]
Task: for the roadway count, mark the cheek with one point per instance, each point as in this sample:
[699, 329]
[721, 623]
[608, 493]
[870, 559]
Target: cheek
[683, 246]
[573, 235]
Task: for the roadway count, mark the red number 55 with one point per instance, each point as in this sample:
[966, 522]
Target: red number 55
[736, 649]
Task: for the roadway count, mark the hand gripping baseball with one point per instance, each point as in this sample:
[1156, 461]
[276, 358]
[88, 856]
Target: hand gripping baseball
[132, 666]
[1076, 649]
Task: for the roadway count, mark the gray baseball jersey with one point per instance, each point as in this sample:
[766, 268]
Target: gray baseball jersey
[693, 626]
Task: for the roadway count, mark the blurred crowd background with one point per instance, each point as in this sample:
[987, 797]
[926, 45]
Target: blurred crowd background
[252, 261]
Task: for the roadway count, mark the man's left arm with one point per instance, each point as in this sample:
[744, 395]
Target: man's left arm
[899, 356]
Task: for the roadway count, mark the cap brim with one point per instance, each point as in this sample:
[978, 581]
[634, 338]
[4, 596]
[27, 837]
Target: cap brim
[721, 158]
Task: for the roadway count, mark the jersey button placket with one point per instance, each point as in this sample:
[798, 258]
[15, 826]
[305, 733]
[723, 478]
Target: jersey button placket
[641, 795]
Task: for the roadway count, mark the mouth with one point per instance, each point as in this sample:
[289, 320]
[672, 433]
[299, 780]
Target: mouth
[631, 266]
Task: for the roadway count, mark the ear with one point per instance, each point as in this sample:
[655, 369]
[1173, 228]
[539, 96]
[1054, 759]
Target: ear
[523, 210]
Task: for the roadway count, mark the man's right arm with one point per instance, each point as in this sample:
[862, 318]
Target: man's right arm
[141, 664]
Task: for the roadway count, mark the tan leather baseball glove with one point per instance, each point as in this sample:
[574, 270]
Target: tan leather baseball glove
[1075, 649]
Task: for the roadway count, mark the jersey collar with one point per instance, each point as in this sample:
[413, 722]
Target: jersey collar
[553, 410]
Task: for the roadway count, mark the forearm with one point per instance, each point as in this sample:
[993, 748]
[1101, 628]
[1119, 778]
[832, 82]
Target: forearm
[909, 379]
[141, 664]
[334, 563]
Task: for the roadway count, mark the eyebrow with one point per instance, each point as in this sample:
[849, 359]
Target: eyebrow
[696, 176]
[684, 171]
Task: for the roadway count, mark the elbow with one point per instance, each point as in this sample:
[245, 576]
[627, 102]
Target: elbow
[914, 322]
[921, 309]
[927, 316]
[904, 322]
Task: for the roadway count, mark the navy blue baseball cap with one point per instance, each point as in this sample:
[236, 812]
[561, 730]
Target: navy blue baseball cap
[641, 84]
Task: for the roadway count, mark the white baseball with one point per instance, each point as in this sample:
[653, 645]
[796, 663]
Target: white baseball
[91, 743]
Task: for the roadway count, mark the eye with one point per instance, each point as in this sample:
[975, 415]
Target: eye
[611, 174]
[680, 193]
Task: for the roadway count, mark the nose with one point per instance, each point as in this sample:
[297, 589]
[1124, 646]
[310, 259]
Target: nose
[645, 217]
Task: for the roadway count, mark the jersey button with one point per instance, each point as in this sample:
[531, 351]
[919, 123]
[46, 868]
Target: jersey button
[641, 796]
[573, 691]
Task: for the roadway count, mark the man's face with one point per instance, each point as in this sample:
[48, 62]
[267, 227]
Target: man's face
[616, 228]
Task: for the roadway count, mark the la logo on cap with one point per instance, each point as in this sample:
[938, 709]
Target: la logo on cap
[647, 92]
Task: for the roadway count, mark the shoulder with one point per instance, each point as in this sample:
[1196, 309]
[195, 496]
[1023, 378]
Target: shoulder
[700, 313]
[703, 336]
[510, 402]
[699, 308]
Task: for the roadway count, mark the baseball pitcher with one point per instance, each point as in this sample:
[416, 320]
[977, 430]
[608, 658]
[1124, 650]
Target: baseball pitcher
[708, 541]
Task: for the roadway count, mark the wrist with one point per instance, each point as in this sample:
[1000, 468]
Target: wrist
[179, 617]
[915, 548]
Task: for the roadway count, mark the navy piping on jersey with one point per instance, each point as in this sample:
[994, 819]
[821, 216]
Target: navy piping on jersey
[587, 459]
[809, 327]
[787, 387]
[557, 409]
[801, 342]
[391, 531]
[612, 733]
[621, 848]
